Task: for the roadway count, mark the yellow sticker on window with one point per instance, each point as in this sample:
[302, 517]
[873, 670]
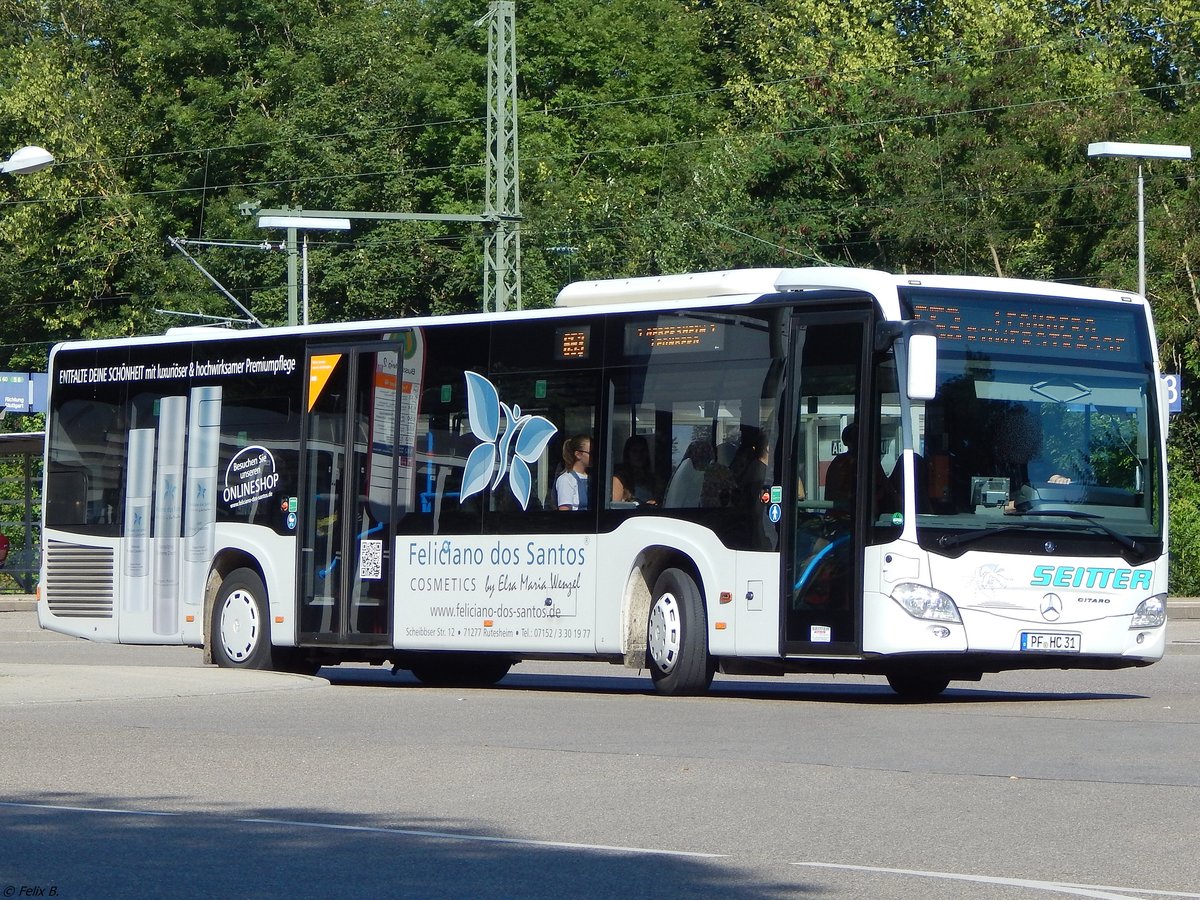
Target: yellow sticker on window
[319, 370]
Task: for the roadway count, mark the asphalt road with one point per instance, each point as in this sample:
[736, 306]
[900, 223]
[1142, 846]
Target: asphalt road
[136, 771]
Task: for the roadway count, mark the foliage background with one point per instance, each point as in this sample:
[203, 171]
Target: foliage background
[656, 136]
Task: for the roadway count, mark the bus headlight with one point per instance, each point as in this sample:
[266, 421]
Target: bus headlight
[923, 602]
[1150, 613]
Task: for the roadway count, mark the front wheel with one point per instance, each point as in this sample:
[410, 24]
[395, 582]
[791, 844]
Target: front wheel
[917, 685]
[241, 631]
[676, 639]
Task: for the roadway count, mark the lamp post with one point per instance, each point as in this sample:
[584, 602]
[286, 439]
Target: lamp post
[26, 160]
[294, 223]
[1140, 152]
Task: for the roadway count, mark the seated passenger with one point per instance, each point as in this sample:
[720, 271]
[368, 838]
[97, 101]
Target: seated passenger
[687, 484]
[1017, 437]
[841, 485]
[634, 480]
[839, 478]
[754, 482]
[571, 487]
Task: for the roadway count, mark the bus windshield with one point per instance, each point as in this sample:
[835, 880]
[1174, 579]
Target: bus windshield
[1044, 418]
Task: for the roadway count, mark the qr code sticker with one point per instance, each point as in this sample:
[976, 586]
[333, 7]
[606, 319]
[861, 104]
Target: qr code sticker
[370, 561]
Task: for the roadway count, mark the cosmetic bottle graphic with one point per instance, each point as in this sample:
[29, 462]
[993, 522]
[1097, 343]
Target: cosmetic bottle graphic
[168, 505]
[200, 508]
[139, 485]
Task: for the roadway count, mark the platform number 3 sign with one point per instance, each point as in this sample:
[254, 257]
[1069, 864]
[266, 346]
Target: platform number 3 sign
[1174, 386]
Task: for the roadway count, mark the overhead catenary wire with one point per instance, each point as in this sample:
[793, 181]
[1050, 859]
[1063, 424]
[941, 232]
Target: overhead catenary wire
[1077, 36]
[816, 130]
[582, 154]
[923, 65]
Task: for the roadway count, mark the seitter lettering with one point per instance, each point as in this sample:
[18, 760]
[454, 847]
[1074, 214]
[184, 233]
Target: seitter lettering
[1091, 577]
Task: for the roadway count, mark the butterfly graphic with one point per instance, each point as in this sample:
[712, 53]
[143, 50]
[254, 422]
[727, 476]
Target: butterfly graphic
[526, 436]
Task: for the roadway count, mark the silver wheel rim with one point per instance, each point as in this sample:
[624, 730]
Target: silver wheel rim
[239, 625]
[666, 632]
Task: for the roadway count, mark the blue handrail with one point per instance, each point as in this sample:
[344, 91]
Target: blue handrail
[820, 557]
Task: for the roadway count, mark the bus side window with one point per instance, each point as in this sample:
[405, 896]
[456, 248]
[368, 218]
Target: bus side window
[564, 401]
[442, 437]
[66, 498]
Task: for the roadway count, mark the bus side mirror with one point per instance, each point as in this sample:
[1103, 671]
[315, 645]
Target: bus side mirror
[922, 365]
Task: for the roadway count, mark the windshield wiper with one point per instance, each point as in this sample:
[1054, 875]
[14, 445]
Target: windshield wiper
[1026, 509]
[950, 541]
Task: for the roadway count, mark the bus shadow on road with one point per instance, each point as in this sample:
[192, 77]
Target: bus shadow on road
[76, 844]
[859, 691]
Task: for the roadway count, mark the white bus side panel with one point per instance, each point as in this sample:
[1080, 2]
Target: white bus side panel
[101, 598]
[504, 593]
[571, 593]
[756, 600]
[620, 611]
[80, 594]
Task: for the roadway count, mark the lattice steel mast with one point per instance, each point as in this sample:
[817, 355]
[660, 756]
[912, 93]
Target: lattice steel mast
[502, 247]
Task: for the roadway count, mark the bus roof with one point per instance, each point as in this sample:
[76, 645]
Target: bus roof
[666, 292]
[747, 284]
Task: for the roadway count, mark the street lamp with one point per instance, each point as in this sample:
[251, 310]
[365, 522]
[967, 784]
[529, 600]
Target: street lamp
[1140, 152]
[26, 160]
[293, 224]
[253, 208]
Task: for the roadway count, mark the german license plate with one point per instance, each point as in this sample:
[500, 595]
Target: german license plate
[1050, 641]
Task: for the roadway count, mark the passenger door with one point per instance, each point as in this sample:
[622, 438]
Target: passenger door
[822, 590]
[347, 496]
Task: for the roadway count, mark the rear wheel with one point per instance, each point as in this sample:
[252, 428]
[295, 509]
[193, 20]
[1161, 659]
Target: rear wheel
[461, 669]
[676, 639]
[918, 685]
[241, 633]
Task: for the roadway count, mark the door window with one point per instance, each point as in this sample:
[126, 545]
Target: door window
[833, 461]
[352, 453]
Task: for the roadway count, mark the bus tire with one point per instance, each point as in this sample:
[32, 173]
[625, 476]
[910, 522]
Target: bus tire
[487, 672]
[241, 629]
[461, 670]
[914, 684]
[676, 637]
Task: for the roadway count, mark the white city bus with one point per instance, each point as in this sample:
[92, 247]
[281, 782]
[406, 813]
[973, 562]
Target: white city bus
[791, 470]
